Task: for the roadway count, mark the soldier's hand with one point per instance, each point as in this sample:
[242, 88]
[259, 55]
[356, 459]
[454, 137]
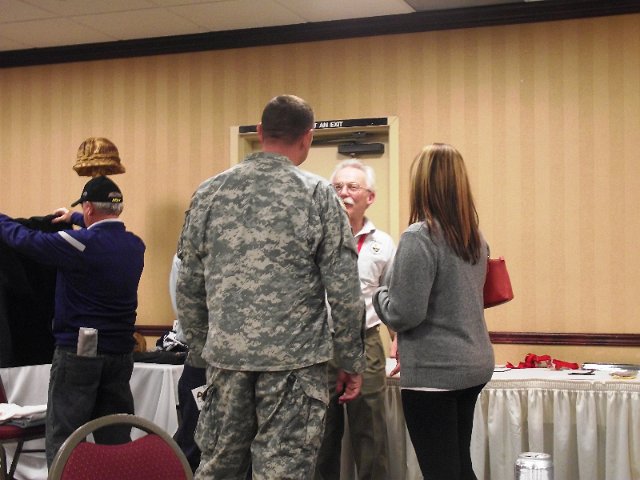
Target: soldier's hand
[350, 384]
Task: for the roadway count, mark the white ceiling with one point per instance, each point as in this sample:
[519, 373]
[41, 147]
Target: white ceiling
[26, 24]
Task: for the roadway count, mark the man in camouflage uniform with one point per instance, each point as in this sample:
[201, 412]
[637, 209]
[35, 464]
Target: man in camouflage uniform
[263, 244]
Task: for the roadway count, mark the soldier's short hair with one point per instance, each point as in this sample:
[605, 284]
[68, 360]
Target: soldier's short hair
[286, 118]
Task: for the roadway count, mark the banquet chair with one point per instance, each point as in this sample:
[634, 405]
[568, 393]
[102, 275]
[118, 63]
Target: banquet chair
[155, 455]
[17, 435]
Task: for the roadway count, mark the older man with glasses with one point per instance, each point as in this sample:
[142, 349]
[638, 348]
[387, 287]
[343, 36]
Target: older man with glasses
[354, 183]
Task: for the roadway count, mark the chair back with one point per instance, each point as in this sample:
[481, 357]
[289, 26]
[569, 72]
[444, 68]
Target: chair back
[155, 455]
[18, 435]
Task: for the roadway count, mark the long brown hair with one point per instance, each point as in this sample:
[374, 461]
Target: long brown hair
[440, 191]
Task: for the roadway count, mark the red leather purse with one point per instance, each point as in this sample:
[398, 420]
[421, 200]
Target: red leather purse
[497, 284]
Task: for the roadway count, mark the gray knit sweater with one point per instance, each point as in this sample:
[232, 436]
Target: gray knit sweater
[434, 301]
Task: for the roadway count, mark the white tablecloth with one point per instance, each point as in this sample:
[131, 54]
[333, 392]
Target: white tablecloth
[590, 424]
[155, 393]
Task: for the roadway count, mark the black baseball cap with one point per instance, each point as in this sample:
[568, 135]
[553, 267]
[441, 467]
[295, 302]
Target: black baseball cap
[100, 189]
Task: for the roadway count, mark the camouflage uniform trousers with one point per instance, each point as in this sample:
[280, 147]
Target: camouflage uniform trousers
[271, 421]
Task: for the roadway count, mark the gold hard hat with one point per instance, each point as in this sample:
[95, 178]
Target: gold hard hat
[98, 156]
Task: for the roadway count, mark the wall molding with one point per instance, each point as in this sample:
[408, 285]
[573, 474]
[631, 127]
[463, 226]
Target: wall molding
[508, 338]
[577, 339]
[482, 16]
[153, 330]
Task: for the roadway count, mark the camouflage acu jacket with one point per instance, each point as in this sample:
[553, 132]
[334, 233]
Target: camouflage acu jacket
[261, 245]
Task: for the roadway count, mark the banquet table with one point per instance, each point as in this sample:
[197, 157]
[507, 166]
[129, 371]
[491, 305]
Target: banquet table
[155, 392]
[590, 424]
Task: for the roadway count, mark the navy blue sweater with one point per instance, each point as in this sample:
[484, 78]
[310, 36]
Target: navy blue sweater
[98, 271]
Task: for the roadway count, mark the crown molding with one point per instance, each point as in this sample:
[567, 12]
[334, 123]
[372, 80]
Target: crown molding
[491, 15]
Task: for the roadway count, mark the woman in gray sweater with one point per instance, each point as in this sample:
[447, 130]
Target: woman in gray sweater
[434, 302]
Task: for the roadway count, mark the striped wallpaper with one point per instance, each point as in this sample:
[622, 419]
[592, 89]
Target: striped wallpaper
[546, 115]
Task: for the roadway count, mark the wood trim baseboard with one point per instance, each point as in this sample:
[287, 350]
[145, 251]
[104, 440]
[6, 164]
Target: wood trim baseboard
[153, 330]
[576, 339]
[509, 338]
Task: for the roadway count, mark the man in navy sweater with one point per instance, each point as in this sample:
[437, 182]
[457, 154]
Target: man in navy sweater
[98, 271]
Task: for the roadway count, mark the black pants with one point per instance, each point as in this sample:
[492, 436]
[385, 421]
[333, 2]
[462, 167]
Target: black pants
[191, 378]
[84, 388]
[440, 425]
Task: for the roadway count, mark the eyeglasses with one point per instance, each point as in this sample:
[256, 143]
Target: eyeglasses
[352, 187]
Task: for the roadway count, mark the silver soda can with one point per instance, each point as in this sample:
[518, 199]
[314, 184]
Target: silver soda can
[534, 466]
